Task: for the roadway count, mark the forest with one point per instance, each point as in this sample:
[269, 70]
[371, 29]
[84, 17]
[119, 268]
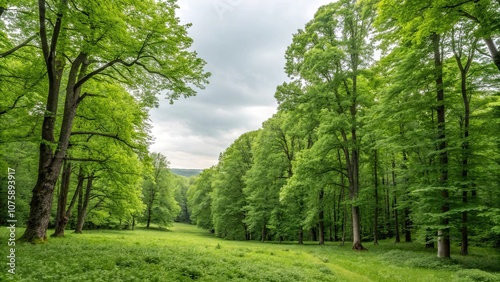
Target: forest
[386, 130]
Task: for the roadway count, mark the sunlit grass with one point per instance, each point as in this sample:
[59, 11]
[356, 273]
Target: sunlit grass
[186, 253]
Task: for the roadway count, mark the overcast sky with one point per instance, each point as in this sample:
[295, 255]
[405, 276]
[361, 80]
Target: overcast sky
[243, 43]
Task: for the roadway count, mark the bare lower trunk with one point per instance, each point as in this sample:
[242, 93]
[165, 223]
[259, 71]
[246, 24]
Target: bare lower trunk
[356, 230]
[321, 223]
[444, 233]
[301, 236]
[375, 213]
[407, 225]
[83, 212]
[396, 222]
[61, 219]
[464, 249]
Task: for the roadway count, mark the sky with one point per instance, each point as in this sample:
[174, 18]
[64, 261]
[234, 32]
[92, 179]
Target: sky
[244, 44]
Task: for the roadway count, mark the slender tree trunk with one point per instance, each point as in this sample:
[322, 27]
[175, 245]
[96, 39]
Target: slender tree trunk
[61, 218]
[83, 212]
[78, 191]
[375, 214]
[321, 215]
[336, 212]
[443, 233]
[264, 233]
[394, 203]
[396, 221]
[344, 213]
[495, 55]
[465, 126]
[301, 236]
[407, 225]
[388, 208]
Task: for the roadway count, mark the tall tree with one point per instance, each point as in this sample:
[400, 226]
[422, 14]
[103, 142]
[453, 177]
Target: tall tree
[228, 200]
[329, 55]
[104, 40]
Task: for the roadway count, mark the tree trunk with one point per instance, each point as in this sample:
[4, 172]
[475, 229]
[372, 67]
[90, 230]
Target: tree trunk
[407, 225]
[394, 203]
[264, 233]
[444, 233]
[396, 221]
[61, 218]
[465, 126]
[301, 236]
[495, 55]
[321, 222]
[49, 164]
[375, 214]
[83, 212]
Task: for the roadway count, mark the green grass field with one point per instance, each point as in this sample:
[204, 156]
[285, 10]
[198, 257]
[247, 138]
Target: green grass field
[186, 253]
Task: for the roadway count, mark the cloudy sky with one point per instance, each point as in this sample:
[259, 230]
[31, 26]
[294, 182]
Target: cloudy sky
[243, 43]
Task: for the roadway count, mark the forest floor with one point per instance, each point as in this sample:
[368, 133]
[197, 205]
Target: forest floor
[186, 253]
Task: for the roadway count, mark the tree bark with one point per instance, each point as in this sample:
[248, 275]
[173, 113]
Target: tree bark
[321, 215]
[375, 214]
[301, 236]
[396, 221]
[443, 233]
[49, 164]
[82, 214]
[465, 126]
[61, 218]
[495, 55]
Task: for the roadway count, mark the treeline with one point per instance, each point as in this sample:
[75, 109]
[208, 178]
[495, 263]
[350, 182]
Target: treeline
[77, 79]
[405, 146]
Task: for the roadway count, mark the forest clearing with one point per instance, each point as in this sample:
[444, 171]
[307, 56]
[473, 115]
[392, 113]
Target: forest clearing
[309, 123]
[187, 253]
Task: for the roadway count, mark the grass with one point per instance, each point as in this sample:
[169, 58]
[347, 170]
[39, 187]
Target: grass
[186, 253]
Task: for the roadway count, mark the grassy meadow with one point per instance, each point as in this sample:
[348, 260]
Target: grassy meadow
[187, 253]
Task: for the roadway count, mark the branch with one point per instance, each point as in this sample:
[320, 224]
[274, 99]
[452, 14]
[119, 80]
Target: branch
[460, 4]
[25, 43]
[85, 160]
[86, 94]
[469, 16]
[13, 105]
[108, 135]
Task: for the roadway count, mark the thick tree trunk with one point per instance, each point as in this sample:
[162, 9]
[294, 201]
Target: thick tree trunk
[50, 163]
[61, 219]
[444, 233]
[83, 212]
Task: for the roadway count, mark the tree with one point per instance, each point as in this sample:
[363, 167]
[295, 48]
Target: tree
[158, 193]
[200, 198]
[127, 42]
[228, 199]
[329, 55]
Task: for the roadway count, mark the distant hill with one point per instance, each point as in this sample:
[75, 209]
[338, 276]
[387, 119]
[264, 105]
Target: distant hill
[186, 172]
